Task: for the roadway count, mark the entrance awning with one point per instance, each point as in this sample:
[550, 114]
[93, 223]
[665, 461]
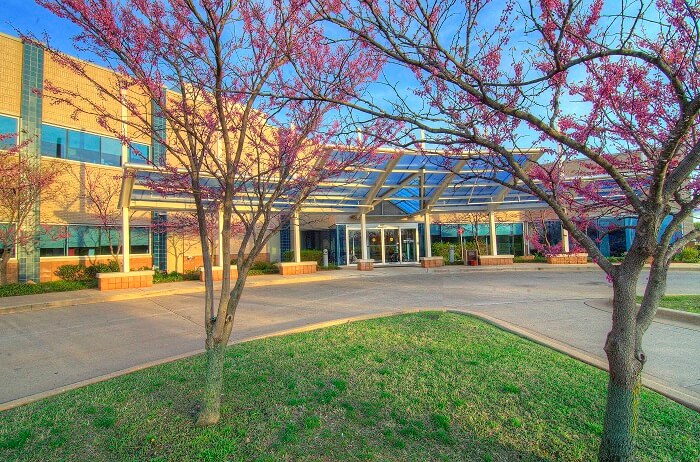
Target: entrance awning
[414, 182]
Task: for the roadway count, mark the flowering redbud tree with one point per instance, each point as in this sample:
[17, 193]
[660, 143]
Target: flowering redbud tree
[238, 135]
[614, 87]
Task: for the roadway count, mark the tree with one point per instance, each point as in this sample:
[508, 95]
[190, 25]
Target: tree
[614, 85]
[238, 136]
[23, 184]
[101, 195]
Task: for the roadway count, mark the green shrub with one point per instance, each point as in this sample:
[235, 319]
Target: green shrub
[306, 255]
[82, 273]
[111, 267]
[11, 290]
[688, 255]
[71, 273]
[263, 267]
[191, 275]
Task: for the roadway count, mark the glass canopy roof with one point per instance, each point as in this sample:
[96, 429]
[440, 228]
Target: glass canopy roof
[411, 181]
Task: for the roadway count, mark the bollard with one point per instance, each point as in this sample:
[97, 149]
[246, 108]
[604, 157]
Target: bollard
[452, 254]
[325, 258]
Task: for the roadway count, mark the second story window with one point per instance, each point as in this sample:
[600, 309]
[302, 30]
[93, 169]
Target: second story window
[8, 126]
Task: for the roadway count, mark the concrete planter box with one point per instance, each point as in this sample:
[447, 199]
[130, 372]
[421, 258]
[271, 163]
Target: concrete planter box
[218, 273]
[568, 259]
[431, 262]
[130, 280]
[365, 265]
[491, 260]
[293, 268]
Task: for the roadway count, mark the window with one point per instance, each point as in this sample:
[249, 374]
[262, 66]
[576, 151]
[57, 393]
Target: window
[139, 153]
[6, 235]
[94, 240]
[111, 152]
[83, 147]
[53, 141]
[52, 241]
[8, 126]
[140, 240]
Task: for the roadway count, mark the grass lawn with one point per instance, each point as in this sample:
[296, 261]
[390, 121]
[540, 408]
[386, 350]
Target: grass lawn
[428, 386]
[690, 303]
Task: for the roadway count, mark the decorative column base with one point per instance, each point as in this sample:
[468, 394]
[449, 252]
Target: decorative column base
[294, 268]
[568, 259]
[487, 260]
[431, 262]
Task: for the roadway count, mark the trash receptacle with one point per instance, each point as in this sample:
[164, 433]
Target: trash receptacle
[472, 258]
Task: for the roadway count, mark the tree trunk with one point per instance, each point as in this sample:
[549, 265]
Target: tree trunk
[3, 273]
[213, 383]
[625, 362]
[214, 379]
[4, 260]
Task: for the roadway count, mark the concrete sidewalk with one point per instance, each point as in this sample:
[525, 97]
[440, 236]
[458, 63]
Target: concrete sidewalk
[55, 349]
[81, 297]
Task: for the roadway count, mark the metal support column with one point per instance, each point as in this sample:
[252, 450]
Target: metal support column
[428, 243]
[363, 235]
[297, 237]
[492, 233]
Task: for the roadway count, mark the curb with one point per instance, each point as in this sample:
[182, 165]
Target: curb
[679, 316]
[540, 267]
[662, 314]
[651, 383]
[656, 385]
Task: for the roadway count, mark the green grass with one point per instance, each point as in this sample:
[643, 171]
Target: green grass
[689, 303]
[11, 290]
[427, 386]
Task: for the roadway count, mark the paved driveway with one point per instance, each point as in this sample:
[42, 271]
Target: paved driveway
[48, 349]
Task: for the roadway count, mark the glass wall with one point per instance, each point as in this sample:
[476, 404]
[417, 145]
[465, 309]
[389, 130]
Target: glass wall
[63, 143]
[85, 240]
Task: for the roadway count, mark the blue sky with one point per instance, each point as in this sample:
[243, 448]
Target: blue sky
[27, 16]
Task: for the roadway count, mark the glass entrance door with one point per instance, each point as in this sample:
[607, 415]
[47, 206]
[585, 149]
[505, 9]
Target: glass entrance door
[374, 245]
[391, 245]
[409, 250]
[385, 244]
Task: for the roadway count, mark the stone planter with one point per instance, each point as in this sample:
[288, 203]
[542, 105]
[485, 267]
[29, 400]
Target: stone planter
[365, 265]
[291, 268]
[130, 280]
[431, 262]
[568, 259]
[492, 260]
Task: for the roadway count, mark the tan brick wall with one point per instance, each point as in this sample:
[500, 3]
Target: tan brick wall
[10, 75]
[61, 113]
[68, 205]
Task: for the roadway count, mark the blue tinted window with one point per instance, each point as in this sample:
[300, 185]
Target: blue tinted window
[111, 152]
[139, 153]
[139, 239]
[83, 147]
[52, 241]
[53, 141]
[8, 126]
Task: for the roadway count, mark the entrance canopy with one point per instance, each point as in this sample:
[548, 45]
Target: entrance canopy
[412, 182]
